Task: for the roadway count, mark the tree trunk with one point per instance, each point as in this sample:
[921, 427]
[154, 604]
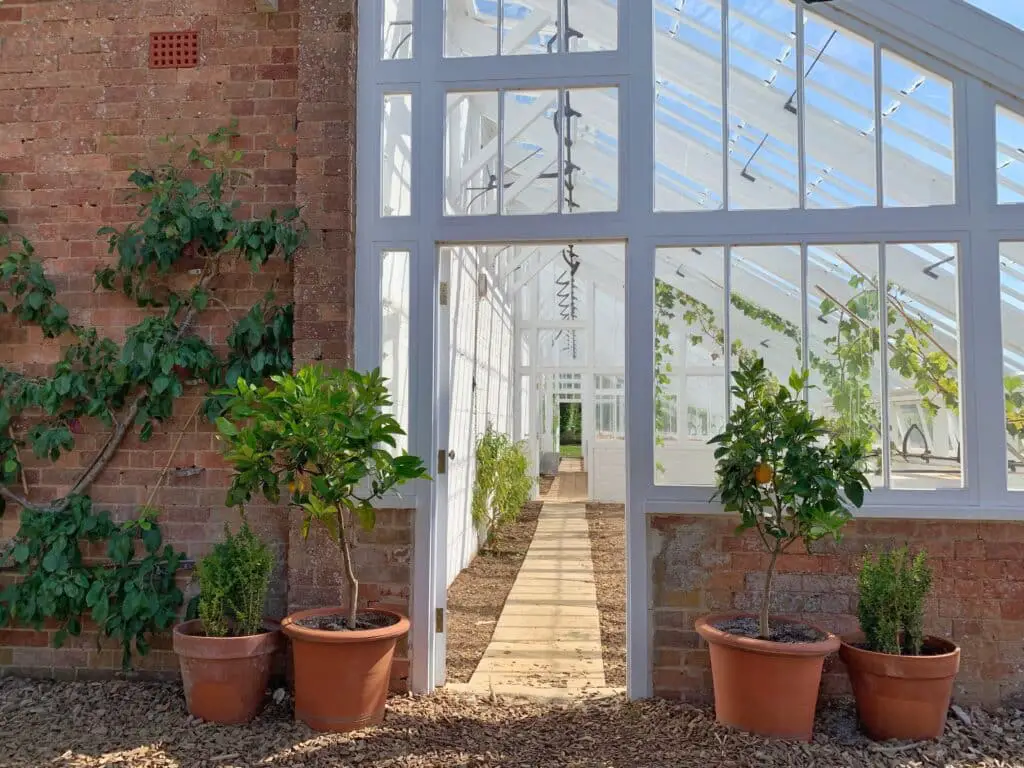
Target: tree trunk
[350, 575]
[766, 599]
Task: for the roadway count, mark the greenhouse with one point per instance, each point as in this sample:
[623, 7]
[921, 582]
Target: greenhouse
[643, 201]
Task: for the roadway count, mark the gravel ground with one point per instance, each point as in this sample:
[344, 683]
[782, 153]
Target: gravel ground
[478, 594]
[608, 549]
[123, 724]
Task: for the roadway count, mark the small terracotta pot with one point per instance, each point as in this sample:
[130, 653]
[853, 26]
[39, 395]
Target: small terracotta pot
[763, 687]
[902, 697]
[341, 678]
[225, 678]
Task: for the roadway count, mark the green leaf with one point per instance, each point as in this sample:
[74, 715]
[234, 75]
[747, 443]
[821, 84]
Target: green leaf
[855, 493]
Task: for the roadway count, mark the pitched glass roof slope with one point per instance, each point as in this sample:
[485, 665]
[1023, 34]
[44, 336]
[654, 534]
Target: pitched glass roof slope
[1010, 11]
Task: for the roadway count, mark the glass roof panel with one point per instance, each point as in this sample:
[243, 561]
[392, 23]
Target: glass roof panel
[1010, 155]
[1007, 10]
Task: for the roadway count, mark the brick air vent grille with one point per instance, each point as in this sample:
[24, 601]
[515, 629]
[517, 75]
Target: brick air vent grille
[173, 50]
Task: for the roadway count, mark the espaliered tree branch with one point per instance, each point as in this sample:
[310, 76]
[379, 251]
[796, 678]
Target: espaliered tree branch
[168, 263]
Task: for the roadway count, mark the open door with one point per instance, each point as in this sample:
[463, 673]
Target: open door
[442, 404]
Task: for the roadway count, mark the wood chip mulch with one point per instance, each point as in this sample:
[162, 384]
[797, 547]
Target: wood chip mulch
[137, 725]
[608, 550]
[478, 594]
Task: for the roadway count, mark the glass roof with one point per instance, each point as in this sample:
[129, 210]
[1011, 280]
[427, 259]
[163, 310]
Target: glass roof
[1010, 11]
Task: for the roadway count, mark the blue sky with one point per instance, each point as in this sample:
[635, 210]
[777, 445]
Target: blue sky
[1007, 10]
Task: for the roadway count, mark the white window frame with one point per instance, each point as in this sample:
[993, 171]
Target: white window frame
[978, 51]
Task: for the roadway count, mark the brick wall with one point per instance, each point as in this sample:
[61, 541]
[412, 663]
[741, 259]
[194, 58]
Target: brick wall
[699, 567]
[79, 108]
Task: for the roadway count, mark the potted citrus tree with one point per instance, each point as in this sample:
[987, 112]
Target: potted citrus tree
[324, 439]
[902, 679]
[789, 482]
[225, 655]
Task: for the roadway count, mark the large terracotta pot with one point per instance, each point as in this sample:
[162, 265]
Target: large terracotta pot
[225, 678]
[341, 678]
[764, 687]
[902, 697]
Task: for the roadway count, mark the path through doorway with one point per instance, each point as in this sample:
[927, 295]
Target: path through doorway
[565, 360]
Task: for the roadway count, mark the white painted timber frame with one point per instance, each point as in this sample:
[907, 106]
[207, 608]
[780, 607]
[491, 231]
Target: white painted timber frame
[981, 57]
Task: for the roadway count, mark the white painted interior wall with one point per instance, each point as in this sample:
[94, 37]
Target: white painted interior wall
[481, 388]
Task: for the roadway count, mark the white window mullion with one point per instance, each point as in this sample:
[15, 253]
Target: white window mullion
[981, 349]
[636, 204]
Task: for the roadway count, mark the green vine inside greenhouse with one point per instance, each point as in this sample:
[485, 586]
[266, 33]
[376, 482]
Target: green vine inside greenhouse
[847, 361]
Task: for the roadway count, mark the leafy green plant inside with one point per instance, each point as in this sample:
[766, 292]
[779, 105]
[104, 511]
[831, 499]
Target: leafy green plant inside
[234, 580]
[779, 470]
[174, 264]
[326, 436]
[893, 587]
[503, 483]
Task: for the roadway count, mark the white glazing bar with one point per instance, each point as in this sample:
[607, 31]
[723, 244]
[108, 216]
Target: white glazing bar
[801, 118]
[562, 135]
[883, 319]
[726, 118]
[879, 168]
[726, 327]
[501, 150]
[805, 328]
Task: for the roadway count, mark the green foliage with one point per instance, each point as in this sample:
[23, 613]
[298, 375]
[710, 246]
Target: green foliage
[129, 598]
[234, 580]
[778, 469]
[327, 437]
[503, 483]
[893, 587]
[169, 263]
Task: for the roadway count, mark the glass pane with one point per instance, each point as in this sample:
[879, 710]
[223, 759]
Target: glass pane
[688, 108]
[924, 365]
[529, 28]
[1011, 262]
[844, 337]
[396, 30]
[590, 153]
[531, 156]
[689, 358]
[471, 156]
[763, 141]
[396, 155]
[1001, 9]
[561, 347]
[394, 335]
[765, 315]
[917, 133]
[1010, 156]
[470, 28]
[590, 26]
[839, 119]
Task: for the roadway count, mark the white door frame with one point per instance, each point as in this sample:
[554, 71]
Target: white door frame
[974, 221]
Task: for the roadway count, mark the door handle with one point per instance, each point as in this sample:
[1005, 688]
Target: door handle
[442, 460]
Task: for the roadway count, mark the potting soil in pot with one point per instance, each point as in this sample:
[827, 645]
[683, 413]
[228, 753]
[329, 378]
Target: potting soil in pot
[338, 622]
[782, 632]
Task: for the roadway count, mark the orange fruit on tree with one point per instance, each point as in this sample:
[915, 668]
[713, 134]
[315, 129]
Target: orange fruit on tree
[763, 474]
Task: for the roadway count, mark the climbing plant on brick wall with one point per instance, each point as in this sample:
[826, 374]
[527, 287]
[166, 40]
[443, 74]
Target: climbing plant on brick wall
[174, 263]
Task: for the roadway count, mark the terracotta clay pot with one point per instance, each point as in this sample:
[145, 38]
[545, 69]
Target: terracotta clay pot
[902, 697]
[225, 678]
[764, 687]
[341, 678]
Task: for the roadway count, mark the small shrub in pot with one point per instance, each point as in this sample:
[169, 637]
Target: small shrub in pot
[789, 482]
[324, 441]
[902, 678]
[225, 654]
